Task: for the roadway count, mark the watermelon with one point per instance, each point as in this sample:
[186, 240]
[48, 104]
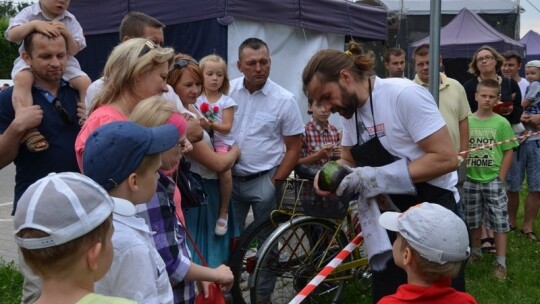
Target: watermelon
[331, 175]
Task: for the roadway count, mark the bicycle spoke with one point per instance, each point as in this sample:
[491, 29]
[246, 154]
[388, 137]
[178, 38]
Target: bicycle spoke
[293, 257]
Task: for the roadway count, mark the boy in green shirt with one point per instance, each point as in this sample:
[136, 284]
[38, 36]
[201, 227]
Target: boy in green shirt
[484, 198]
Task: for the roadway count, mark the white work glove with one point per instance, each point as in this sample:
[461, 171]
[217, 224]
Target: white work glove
[369, 182]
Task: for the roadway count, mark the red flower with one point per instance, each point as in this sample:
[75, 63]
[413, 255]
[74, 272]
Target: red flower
[216, 109]
[204, 107]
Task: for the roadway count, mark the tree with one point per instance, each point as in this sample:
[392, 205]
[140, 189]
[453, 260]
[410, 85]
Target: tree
[8, 49]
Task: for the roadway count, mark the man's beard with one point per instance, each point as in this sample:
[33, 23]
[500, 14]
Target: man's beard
[350, 102]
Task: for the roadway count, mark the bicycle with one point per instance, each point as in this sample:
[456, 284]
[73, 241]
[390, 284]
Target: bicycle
[292, 241]
[243, 259]
[298, 249]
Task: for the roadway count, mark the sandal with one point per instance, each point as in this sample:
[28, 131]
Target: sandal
[35, 141]
[221, 226]
[530, 235]
[488, 245]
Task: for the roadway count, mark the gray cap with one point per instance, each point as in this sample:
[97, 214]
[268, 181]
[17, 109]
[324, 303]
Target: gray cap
[435, 232]
[66, 206]
[533, 63]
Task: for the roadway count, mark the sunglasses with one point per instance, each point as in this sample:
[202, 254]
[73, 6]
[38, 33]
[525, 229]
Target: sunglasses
[182, 63]
[148, 46]
[62, 111]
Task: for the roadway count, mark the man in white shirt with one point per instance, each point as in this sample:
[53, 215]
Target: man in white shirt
[510, 69]
[267, 121]
[139, 25]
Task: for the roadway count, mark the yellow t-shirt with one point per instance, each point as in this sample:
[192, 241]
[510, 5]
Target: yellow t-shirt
[94, 298]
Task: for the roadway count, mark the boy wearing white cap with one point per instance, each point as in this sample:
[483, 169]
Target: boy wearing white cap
[529, 154]
[124, 158]
[63, 228]
[530, 103]
[431, 245]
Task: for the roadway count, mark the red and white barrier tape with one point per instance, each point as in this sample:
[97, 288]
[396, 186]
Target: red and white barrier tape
[526, 135]
[343, 254]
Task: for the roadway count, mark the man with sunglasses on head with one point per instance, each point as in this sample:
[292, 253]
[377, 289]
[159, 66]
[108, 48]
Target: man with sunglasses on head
[140, 25]
[54, 114]
[137, 25]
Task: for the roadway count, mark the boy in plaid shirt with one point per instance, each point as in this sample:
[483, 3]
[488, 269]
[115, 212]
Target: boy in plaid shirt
[321, 140]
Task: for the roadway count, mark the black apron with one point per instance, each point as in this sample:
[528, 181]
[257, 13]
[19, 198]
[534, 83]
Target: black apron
[373, 154]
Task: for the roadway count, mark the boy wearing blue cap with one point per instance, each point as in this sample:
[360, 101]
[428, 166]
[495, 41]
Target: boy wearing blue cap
[431, 245]
[124, 158]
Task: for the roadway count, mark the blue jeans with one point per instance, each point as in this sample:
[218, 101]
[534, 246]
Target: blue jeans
[525, 160]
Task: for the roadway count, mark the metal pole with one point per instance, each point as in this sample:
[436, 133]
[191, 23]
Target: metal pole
[434, 48]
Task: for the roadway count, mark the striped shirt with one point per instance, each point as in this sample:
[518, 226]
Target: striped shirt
[169, 238]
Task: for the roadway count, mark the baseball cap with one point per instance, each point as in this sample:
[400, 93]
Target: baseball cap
[435, 232]
[533, 63]
[115, 150]
[66, 206]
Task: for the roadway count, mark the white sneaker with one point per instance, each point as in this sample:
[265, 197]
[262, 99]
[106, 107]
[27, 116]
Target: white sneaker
[221, 226]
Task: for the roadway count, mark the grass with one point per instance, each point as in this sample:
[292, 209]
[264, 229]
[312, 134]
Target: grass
[10, 283]
[523, 262]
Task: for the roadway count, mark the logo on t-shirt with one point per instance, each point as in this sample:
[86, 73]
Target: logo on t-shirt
[380, 130]
[481, 138]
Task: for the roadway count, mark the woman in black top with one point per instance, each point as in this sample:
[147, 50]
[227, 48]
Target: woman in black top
[485, 64]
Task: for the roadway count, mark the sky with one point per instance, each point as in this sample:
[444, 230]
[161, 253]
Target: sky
[530, 19]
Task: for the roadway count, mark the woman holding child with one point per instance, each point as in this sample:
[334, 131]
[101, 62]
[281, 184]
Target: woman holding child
[135, 70]
[186, 78]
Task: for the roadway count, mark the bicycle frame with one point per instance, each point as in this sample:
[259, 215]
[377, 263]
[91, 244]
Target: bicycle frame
[356, 259]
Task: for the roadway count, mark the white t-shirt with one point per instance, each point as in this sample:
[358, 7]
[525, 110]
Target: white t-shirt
[198, 167]
[137, 271]
[260, 122]
[523, 84]
[405, 113]
[96, 86]
[223, 103]
[34, 12]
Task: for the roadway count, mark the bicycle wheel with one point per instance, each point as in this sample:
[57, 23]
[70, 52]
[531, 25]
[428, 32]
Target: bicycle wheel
[244, 258]
[292, 256]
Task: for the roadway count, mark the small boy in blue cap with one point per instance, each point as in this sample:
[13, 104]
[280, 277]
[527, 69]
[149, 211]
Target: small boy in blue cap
[124, 158]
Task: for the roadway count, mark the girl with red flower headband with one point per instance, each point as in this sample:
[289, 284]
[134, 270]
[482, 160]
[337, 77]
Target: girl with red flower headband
[218, 110]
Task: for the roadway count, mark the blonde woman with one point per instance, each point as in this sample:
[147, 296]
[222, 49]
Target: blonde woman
[163, 212]
[186, 78]
[135, 70]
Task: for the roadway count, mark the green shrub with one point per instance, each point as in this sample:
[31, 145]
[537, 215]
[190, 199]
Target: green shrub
[11, 282]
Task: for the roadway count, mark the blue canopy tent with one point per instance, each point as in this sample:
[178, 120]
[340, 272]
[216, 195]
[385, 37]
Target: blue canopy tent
[532, 41]
[460, 39]
[200, 27]
[466, 33]
[294, 30]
